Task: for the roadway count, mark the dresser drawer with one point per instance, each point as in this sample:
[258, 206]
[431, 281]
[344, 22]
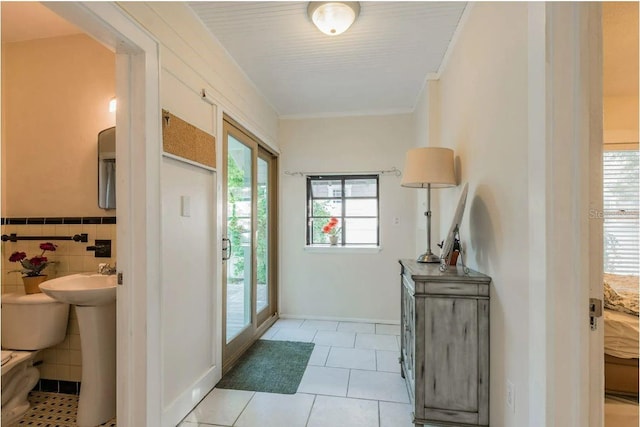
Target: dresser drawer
[480, 290]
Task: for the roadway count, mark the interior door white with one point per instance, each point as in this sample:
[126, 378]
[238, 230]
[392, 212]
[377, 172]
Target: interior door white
[188, 287]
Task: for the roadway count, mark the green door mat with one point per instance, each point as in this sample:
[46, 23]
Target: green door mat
[269, 366]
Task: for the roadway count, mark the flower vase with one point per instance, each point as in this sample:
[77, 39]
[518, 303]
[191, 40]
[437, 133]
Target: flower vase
[333, 240]
[31, 283]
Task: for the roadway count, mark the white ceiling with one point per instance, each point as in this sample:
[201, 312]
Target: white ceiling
[31, 20]
[379, 65]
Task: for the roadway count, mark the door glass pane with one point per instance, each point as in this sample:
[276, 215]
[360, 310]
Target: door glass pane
[239, 207]
[262, 250]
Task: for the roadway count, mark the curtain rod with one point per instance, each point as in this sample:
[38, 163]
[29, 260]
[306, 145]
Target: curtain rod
[393, 171]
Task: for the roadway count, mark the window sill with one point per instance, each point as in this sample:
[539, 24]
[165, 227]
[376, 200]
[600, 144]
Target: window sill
[325, 249]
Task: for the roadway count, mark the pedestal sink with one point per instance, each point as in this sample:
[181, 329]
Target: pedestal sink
[94, 296]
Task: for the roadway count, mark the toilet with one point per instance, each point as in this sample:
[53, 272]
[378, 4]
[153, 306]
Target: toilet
[29, 323]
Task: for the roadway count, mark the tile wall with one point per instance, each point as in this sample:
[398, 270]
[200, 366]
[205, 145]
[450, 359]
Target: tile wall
[62, 362]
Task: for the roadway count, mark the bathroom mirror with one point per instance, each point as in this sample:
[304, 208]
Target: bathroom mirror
[107, 168]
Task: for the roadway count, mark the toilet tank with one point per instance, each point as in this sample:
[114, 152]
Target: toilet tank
[32, 322]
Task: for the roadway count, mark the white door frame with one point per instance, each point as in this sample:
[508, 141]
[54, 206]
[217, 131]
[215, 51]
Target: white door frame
[565, 185]
[592, 61]
[138, 200]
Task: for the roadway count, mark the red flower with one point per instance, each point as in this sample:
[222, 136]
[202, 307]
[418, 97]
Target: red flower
[48, 246]
[33, 266]
[17, 256]
[331, 228]
[38, 260]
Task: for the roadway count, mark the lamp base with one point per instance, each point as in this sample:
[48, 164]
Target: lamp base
[429, 258]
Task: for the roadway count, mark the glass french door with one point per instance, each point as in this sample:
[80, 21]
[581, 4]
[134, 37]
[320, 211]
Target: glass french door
[249, 244]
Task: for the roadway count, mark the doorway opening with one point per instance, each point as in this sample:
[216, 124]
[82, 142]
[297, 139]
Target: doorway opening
[621, 199]
[136, 76]
[57, 83]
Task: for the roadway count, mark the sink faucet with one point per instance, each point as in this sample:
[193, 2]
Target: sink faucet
[106, 269]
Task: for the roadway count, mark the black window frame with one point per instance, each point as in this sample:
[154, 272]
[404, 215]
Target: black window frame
[342, 178]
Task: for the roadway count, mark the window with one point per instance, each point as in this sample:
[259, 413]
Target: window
[621, 230]
[352, 200]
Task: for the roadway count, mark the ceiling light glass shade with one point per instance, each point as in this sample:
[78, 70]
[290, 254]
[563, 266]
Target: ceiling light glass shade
[333, 18]
[429, 165]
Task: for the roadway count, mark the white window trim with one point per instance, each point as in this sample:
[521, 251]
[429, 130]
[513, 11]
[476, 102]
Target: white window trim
[343, 249]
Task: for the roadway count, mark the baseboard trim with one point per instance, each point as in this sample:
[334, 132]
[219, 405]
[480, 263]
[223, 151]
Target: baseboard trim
[340, 319]
[190, 397]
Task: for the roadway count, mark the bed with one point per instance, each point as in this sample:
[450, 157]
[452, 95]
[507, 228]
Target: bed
[621, 331]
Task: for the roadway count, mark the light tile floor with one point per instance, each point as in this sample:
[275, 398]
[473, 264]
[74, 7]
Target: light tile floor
[352, 379]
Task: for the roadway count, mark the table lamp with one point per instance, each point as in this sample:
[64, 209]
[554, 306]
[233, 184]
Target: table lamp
[429, 167]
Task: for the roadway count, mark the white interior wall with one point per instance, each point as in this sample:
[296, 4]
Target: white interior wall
[190, 53]
[3, 148]
[427, 129]
[189, 351]
[620, 119]
[56, 98]
[191, 60]
[482, 109]
[565, 170]
[334, 283]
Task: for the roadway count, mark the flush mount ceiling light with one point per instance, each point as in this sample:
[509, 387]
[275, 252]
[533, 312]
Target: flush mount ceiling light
[333, 17]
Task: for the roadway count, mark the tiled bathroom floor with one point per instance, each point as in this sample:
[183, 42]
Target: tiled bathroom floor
[53, 410]
[352, 379]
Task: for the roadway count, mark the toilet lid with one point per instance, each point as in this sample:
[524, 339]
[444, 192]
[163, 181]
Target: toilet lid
[6, 356]
[38, 298]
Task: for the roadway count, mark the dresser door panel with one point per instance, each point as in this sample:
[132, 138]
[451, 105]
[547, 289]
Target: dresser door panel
[451, 354]
[483, 362]
[408, 338]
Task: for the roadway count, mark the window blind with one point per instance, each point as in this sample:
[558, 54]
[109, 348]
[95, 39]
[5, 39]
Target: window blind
[621, 217]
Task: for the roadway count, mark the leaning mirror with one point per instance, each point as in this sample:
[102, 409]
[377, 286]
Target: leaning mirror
[107, 168]
[449, 241]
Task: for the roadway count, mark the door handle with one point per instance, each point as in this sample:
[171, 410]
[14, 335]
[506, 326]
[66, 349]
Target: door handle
[226, 249]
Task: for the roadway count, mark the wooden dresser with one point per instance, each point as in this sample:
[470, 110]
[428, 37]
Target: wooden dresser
[445, 344]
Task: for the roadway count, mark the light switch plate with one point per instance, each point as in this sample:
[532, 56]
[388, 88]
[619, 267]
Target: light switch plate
[185, 206]
[511, 396]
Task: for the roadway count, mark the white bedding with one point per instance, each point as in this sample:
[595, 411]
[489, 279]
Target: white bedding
[621, 293]
[621, 334]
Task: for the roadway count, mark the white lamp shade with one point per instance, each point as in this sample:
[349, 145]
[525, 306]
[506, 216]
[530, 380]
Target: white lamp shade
[429, 165]
[333, 18]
